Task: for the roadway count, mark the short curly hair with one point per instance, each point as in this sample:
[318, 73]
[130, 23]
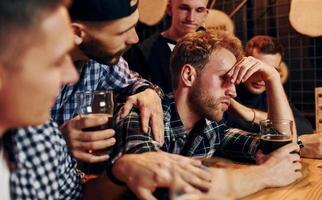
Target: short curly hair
[196, 48]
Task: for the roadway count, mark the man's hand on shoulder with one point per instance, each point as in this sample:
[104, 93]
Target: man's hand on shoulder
[151, 113]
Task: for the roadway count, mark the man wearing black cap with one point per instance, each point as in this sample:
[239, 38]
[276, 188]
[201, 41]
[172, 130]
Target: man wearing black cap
[103, 30]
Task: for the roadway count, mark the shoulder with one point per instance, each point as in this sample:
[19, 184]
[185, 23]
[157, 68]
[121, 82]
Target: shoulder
[130, 121]
[39, 144]
[146, 46]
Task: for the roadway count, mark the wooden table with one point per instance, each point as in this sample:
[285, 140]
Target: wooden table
[309, 187]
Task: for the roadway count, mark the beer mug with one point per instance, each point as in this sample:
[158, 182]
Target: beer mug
[95, 104]
[275, 134]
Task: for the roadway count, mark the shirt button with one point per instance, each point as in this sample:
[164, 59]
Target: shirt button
[184, 136]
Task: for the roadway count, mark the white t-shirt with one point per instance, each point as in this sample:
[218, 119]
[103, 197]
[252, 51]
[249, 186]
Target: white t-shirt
[4, 176]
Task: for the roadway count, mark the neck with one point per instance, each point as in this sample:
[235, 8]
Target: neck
[188, 117]
[2, 130]
[78, 55]
[172, 34]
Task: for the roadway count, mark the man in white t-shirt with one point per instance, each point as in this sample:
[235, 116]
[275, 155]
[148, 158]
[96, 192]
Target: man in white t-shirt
[34, 63]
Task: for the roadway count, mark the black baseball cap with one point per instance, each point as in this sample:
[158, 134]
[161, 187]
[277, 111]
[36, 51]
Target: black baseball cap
[101, 10]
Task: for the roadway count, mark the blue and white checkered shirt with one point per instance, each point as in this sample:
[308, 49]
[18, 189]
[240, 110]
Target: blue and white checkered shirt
[95, 76]
[43, 167]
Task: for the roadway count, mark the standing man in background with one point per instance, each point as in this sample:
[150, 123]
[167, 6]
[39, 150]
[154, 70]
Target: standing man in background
[151, 58]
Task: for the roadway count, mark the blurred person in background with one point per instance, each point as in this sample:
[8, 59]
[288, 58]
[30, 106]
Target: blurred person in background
[34, 64]
[251, 105]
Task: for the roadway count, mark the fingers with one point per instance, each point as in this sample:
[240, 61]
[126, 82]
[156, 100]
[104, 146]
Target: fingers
[145, 118]
[198, 178]
[251, 71]
[241, 68]
[180, 186]
[144, 194]
[287, 149]
[153, 117]
[297, 166]
[88, 136]
[183, 160]
[298, 175]
[126, 108]
[247, 68]
[88, 121]
[90, 158]
[192, 172]
[158, 127]
[95, 145]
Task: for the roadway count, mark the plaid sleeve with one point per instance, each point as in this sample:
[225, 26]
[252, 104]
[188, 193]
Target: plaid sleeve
[130, 136]
[239, 145]
[44, 169]
[120, 77]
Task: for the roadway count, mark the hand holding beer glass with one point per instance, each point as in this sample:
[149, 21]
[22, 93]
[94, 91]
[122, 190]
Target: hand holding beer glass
[96, 104]
[275, 134]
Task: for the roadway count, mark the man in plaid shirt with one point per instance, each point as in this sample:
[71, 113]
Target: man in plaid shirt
[205, 66]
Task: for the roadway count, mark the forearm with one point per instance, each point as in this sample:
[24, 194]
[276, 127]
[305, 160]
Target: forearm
[247, 180]
[239, 145]
[278, 106]
[247, 113]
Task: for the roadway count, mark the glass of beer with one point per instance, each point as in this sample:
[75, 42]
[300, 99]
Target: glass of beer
[96, 104]
[275, 134]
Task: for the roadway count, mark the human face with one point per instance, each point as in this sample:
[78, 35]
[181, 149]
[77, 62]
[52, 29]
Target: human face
[187, 15]
[28, 88]
[258, 86]
[210, 95]
[106, 42]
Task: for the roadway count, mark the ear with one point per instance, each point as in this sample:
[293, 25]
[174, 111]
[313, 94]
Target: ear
[2, 74]
[169, 8]
[255, 52]
[207, 12]
[205, 17]
[79, 32]
[188, 75]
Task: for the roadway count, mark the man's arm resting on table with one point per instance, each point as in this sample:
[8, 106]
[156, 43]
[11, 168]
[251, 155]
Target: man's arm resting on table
[280, 169]
[239, 145]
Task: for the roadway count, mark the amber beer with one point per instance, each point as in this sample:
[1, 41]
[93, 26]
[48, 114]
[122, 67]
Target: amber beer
[98, 168]
[108, 125]
[269, 143]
